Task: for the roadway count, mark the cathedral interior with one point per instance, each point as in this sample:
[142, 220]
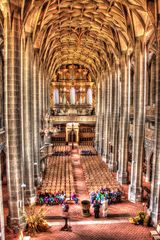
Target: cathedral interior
[80, 92]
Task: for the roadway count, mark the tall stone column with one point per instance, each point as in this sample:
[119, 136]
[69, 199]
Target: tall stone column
[98, 115]
[107, 120]
[155, 186]
[148, 168]
[110, 116]
[12, 86]
[104, 97]
[27, 121]
[101, 130]
[44, 83]
[122, 175]
[135, 188]
[2, 227]
[47, 93]
[153, 81]
[115, 120]
[100, 119]
[36, 121]
[40, 105]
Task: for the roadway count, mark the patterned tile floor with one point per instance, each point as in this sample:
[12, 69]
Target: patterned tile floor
[115, 231]
[114, 227]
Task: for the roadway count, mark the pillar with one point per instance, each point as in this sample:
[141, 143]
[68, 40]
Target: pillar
[36, 121]
[104, 121]
[153, 80]
[113, 162]
[148, 170]
[135, 188]
[12, 87]
[104, 114]
[122, 174]
[98, 115]
[107, 120]
[28, 103]
[102, 109]
[110, 116]
[155, 186]
[44, 83]
[40, 100]
[2, 227]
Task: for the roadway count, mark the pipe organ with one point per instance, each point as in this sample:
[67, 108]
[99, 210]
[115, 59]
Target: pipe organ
[72, 92]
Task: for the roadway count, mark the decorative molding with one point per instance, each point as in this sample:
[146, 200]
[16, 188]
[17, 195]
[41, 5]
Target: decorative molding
[79, 119]
[150, 111]
[149, 133]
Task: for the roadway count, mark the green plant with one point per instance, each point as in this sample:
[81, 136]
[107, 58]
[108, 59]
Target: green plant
[35, 220]
[142, 218]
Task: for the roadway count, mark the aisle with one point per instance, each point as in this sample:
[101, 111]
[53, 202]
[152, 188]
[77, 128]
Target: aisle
[79, 179]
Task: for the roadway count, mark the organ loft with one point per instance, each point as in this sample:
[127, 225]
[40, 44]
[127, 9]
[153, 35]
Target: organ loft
[80, 116]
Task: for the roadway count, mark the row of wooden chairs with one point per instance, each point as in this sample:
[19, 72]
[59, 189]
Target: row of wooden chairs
[61, 148]
[97, 174]
[59, 143]
[87, 143]
[59, 175]
[88, 148]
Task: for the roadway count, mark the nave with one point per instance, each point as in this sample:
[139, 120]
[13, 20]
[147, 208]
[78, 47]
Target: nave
[83, 178]
[81, 72]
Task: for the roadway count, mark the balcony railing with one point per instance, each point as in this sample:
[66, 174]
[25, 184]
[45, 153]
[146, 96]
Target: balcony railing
[78, 119]
[149, 133]
[150, 111]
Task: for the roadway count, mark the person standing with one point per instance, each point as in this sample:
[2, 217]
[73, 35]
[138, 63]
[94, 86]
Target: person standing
[105, 208]
[96, 207]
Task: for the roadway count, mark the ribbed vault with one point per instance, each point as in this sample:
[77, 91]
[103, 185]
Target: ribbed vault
[89, 32]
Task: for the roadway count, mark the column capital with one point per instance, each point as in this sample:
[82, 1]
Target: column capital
[4, 7]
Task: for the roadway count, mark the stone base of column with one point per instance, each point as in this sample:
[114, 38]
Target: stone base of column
[29, 197]
[99, 150]
[122, 177]
[96, 146]
[113, 167]
[155, 217]
[135, 194]
[107, 159]
[16, 223]
[38, 181]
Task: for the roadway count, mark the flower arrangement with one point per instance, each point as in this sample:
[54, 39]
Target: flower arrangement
[35, 220]
[142, 218]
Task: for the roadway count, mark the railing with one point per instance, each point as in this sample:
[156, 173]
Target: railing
[79, 119]
[150, 111]
[149, 133]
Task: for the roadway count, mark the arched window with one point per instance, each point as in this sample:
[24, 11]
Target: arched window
[72, 95]
[56, 96]
[89, 96]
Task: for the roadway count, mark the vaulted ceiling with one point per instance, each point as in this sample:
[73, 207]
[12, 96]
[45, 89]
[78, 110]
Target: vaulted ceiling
[92, 33]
